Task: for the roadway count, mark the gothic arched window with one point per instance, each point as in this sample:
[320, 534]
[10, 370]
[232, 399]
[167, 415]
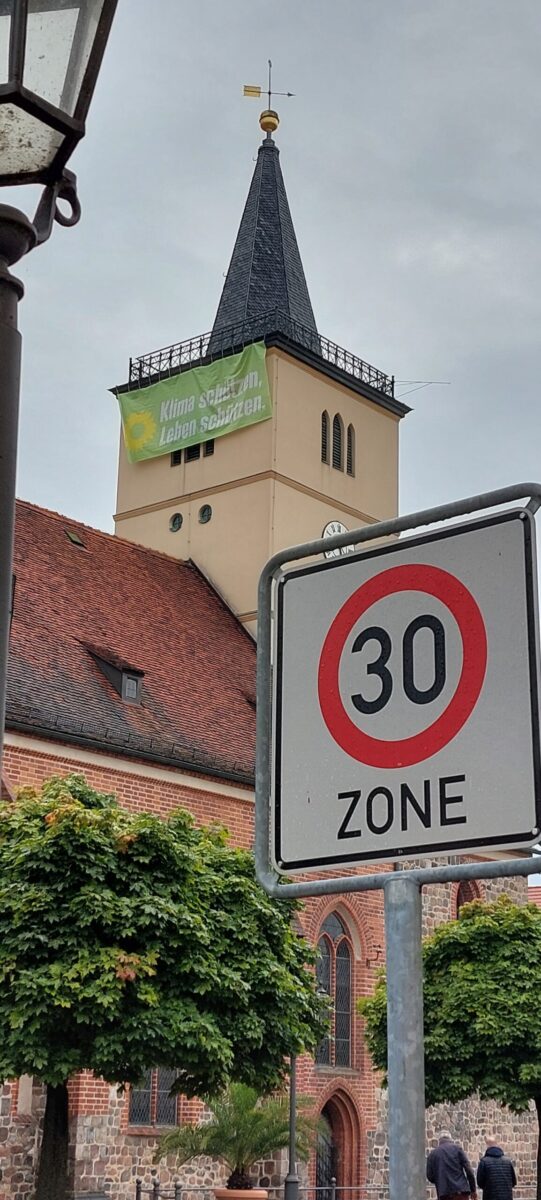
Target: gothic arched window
[467, 891]
[350, 451]
[324, 437]
[338, 443]
[333, 974]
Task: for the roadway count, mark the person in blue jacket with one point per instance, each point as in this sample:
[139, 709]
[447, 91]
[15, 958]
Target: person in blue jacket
[448, 1168]
[496, 1173]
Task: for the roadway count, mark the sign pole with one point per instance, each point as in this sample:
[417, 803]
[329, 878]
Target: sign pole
[405, 1051]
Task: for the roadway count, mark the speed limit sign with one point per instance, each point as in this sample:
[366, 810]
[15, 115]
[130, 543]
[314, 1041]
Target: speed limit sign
[405, 710]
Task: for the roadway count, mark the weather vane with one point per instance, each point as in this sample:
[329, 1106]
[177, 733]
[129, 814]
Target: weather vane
[269, 119]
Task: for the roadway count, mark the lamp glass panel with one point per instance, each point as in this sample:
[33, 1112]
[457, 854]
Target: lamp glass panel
[6, 9]
[26, 144]
[59, 40]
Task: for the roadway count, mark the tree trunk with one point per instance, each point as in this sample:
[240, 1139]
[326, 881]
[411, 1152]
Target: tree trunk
[537, 1101]
[52, 1183]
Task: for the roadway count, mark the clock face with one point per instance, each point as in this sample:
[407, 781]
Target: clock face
[330, 530]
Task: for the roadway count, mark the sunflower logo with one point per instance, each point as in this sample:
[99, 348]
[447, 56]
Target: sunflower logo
[139, 430]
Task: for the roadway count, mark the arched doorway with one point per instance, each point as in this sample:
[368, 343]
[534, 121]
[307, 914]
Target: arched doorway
[338, 1146]
[326, 1155]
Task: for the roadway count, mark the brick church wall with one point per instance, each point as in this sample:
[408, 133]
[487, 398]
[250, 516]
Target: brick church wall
[106, 1153]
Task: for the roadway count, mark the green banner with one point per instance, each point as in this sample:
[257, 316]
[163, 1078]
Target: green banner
[196, 405]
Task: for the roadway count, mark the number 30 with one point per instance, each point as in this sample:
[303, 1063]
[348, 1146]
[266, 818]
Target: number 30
[379, 665]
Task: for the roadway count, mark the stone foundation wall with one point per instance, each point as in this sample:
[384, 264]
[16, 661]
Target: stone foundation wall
[19, 1143]
[470, 1122]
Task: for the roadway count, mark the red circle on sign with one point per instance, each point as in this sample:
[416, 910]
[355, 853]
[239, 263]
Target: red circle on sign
[376, 752]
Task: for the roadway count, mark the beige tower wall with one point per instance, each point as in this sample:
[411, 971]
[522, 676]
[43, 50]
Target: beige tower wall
[266, 484]
[301, 396]
[155, 482]
[230, 549]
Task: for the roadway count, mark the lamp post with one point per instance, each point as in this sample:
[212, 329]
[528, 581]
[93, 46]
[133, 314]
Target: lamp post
[291, 1182]
[50, 56]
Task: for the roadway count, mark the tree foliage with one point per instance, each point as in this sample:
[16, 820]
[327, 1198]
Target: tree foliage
[128, 942]
[242, 1131]
[482, 1006]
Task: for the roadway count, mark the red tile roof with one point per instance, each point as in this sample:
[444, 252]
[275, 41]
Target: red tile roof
[534, 895]
[154, 613]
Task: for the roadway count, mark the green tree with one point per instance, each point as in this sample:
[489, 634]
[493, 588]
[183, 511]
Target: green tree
[482, 1008]
[129, 942]
[243, 1130]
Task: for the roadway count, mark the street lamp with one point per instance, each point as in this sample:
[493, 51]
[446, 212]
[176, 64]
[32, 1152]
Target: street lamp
[50, 56]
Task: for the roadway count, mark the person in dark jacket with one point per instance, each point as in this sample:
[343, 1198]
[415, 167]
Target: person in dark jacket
[496, 1173]
[449, 1170]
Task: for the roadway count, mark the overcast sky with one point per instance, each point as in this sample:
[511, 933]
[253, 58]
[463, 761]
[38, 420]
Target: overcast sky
[411, 159]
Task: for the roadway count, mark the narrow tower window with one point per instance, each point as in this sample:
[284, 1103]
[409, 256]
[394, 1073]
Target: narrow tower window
[324, 437]
[350, 451]
[337, 443]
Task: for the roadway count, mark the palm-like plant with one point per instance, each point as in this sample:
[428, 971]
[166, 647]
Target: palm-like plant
[242, 1130]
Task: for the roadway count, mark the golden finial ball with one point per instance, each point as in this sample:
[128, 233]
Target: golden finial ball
[269, 121]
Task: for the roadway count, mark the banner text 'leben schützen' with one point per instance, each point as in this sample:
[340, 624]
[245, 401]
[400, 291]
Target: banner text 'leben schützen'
[196, 405]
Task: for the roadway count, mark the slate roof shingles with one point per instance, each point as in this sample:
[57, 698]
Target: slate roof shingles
[266, 271]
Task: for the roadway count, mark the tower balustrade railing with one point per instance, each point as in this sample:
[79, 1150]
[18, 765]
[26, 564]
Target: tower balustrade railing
[219, 343]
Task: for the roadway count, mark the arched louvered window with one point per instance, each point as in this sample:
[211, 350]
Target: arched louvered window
[338, 443]
[333, 974]
[324, 437]
[350, 451]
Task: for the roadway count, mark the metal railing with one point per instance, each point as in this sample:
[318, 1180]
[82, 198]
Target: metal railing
[219, 343]
[158, 1192]
[369, 1191]
[333, 1191]
[178, 1191]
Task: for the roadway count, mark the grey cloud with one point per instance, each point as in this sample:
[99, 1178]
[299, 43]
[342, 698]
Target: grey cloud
[410, 155]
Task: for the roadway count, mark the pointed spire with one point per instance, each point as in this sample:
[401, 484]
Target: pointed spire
[265, 275]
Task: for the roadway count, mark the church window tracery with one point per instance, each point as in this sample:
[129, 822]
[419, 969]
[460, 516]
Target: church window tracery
[333, 974]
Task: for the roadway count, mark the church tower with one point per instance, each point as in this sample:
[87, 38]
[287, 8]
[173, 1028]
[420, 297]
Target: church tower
[328, 453]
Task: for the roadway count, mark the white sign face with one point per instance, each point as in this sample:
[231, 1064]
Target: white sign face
[405, 710]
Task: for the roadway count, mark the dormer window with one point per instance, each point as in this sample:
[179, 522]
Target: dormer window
[125, 678]
[131, 687]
